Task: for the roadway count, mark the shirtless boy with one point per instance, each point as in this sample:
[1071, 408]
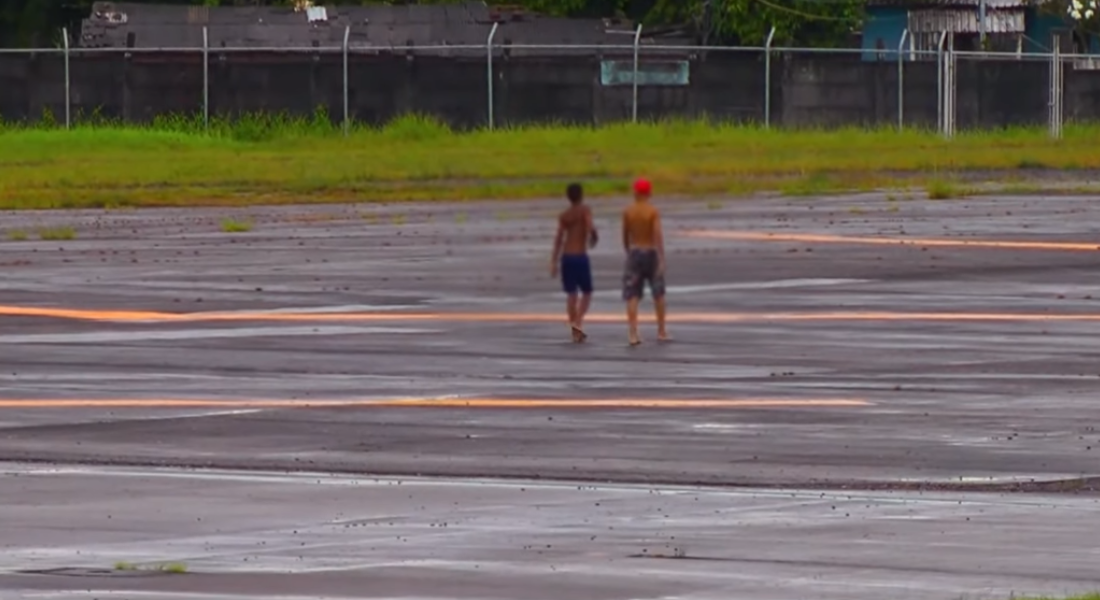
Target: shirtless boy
[576, 233]
[644, 243]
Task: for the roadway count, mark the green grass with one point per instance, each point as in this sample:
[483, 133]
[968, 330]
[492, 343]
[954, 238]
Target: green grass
[939, 189]
[56, 233]
[1085, 597]
[813, 184]
[173, 568]
[18, 235]
[236, 226]
[274, 159]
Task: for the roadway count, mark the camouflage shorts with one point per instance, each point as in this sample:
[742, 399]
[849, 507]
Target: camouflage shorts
[640, 269]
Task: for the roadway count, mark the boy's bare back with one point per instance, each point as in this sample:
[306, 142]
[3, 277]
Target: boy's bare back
[640, 221]
[576, 221]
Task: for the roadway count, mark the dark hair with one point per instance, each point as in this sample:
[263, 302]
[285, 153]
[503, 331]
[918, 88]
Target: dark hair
[574, 192]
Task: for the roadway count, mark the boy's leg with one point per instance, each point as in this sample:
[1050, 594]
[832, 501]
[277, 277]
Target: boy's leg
[582, 309]
[569, 286]
[632, 321]
[657, 284]
[632, 294]
[585, 285]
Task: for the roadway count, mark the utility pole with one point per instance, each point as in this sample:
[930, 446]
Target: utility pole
[981, 22]
[705, 18]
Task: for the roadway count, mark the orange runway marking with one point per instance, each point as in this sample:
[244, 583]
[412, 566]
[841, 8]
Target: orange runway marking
[433, 403]
[841, 239]
[458, 317]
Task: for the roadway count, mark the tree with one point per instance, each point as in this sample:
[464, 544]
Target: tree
[748, 22]
[1082, 15]
[1081, 11]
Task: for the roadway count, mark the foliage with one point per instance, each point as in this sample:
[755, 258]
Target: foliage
[1081, 16]
[748, 22]
[1081, 10]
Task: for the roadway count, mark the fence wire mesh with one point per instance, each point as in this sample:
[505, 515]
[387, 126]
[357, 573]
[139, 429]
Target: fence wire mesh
[926, 86]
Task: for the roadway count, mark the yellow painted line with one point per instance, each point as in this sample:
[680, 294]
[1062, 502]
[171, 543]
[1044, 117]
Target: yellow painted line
[40, 403]
[843, 239]
[458, 317]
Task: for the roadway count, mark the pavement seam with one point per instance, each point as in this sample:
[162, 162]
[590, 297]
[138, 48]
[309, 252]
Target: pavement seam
[1086, 485]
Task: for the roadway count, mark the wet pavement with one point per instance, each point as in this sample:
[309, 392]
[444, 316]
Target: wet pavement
[241, 535]
[813, 349]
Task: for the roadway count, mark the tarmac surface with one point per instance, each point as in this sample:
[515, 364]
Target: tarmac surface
[897, 354]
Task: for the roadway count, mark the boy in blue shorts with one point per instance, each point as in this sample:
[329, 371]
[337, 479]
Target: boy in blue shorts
[576, 234]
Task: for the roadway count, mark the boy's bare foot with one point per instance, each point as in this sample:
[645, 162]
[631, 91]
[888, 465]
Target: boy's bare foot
[635, 339]
[663, 336]
[578, 334]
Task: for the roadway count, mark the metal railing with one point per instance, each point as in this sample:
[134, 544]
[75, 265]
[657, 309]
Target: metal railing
[945, 56]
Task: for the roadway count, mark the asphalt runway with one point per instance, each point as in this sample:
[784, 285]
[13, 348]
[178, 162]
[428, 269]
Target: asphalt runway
[250, 535]
[892, 348]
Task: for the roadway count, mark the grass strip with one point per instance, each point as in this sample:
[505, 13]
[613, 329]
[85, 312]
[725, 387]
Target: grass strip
[1084, 597]
[275, 159]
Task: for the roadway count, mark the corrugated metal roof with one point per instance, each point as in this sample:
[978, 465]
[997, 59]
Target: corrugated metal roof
[965, 21]
[931, 4]
[372, 26]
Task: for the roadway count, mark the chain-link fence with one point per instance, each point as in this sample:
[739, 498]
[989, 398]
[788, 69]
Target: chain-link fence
[500, 84]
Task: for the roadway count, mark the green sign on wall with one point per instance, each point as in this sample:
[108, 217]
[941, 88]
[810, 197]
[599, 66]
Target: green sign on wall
[665, 72]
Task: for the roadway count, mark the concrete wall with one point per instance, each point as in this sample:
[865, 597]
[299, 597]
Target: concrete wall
[806, 90]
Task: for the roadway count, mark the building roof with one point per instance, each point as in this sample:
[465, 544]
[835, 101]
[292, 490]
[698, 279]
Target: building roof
[942, 4]
[966, 21]
[378, 27]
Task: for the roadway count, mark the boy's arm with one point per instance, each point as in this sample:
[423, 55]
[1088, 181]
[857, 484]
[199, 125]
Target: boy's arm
[593, 235]
[559, 240]
[659, 241]
[626, 234]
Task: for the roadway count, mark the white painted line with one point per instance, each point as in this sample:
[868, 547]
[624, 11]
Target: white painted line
[94, 337]
[746, 285]
[763, 285]
[199, 415]
[313, 310]
[723, 427]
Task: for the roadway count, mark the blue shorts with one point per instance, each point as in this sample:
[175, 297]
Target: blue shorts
[576, 273]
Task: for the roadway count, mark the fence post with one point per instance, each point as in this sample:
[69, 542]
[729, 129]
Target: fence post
[634, 79]
[768, 79]
[940, 96]
[901, 80]
[489, 68]
[68, 81]
[1050, 86]
[1061, 89]
[205, 79]
[952, 86]
[347, 121]
[1055, 93]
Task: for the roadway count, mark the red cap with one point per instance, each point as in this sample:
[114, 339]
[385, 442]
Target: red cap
[642, 187]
